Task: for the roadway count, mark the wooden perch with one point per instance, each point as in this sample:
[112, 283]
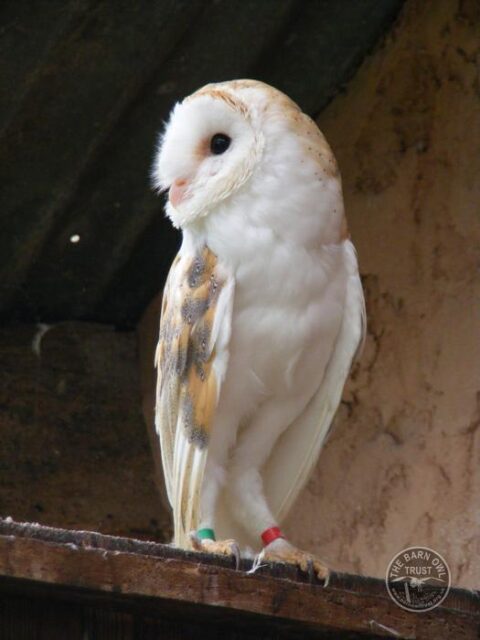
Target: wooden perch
[109, 587]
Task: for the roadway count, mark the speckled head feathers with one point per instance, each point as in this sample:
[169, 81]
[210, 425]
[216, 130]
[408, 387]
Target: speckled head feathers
[266, 130]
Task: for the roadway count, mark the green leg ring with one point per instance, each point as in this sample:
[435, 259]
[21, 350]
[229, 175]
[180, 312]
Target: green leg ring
[206, 534]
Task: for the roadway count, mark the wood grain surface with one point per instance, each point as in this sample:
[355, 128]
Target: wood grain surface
[137, 581]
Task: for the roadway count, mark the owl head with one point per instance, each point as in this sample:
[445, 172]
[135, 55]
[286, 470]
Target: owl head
[226, 136]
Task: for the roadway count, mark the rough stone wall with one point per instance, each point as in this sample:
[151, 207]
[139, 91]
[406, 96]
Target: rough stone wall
[74, 450]
[401, 468]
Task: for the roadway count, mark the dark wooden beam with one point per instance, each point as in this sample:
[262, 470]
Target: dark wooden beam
[159, 579]
[323, 46]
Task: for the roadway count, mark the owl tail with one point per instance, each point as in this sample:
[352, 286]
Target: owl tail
[189, 468]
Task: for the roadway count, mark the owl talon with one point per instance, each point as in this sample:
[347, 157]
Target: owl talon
[310, 570]
[217, 547]
[282, 551]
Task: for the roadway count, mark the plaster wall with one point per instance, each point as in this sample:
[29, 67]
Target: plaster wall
[401, 467]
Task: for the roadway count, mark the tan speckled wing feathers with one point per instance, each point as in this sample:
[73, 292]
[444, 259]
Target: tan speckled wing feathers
[188, 380]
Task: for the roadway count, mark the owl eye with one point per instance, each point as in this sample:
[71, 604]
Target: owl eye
[219, 143]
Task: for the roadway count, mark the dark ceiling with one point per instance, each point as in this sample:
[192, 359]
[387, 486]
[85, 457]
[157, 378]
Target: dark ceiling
[85, 87]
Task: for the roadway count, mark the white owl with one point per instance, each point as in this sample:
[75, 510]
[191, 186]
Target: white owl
[262, 315]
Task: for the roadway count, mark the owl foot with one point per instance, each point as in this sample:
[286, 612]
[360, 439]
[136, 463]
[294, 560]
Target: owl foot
[282, 551]
[219, 547]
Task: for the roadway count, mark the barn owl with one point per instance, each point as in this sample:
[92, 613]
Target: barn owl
[262, 315]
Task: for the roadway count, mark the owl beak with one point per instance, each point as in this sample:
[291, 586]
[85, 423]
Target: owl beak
[177, 191]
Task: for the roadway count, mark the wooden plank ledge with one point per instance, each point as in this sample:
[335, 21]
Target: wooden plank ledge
[155, 580]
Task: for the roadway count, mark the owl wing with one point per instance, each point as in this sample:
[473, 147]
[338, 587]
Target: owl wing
[191, 360]
[294, 456]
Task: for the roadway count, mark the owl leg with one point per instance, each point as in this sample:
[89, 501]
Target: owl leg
[203, 539]
[245, 484]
